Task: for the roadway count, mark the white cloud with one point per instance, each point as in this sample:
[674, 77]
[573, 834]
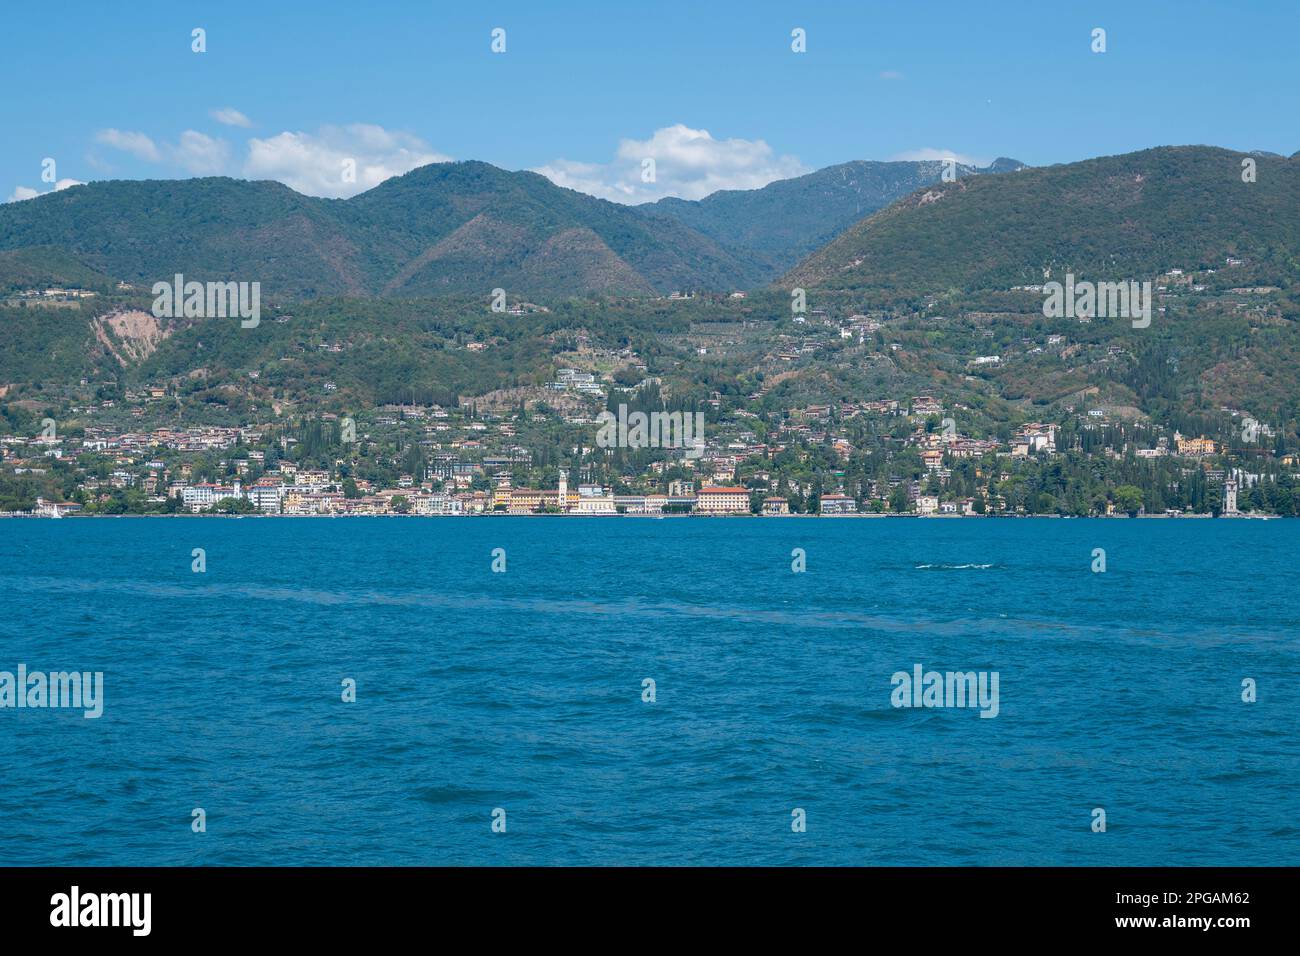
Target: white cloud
[137, 144]
[930, 154]
[890, 75]
[26, 192]
[314, 163]
[200, 154]
[688, 163]
[311, 163]
[197, 153]
[229, 116]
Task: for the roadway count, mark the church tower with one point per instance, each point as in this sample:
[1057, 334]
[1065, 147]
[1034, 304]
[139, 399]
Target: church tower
[1230, 496]
[562, 499]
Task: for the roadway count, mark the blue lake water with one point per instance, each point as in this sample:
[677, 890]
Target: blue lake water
[523, 690]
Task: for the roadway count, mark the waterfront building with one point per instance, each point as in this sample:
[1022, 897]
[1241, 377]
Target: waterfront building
[838, 504]
[596, 505]
[265, 495]
[722, 500]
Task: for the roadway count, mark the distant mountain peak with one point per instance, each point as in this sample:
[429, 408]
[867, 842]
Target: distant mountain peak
[780, 223]
[1004, 165]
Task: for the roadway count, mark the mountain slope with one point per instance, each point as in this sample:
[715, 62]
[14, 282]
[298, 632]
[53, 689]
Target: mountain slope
[521, 231]
[450, 227]
[42, 266]
[145, 231]
[1113, 218]
[786, 220]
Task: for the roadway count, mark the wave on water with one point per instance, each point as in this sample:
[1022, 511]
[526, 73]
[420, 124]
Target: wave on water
[630, 607]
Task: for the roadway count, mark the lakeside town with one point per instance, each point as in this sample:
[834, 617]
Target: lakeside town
[729, 411]
[105, 447]
[880, 457]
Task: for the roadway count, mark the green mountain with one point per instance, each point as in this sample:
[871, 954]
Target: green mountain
[786, 220]
[45, 266]
[917, 299]
[452, 227]
[1117, 217]
[470, 227]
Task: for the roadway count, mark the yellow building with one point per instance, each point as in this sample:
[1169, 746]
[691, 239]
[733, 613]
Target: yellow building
[523, 501]
[721, 500]
[1194, 447]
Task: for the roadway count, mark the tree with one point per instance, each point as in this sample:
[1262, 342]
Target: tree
[233, 506]
[1128, 498]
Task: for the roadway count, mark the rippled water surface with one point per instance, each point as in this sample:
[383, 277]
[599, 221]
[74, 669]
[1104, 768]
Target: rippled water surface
[523, 690]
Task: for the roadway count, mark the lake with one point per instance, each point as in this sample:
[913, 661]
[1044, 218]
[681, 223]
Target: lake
[525, 691]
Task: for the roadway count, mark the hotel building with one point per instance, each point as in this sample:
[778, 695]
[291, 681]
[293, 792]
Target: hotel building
[721, 500]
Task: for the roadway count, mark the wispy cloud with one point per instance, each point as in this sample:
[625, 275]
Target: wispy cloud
[196, 153]
[229, 116]
[890, 75]
[200, 154]
[137, 144]
[688, 163]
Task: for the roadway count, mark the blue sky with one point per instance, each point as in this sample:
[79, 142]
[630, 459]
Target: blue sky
[585, 91]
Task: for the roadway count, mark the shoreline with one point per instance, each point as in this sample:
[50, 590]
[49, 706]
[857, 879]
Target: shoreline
[936, 517]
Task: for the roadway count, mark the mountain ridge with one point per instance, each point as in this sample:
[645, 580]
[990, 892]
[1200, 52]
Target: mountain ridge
[457, 227]
[1133, 213]
[788, 219]
[302, 247]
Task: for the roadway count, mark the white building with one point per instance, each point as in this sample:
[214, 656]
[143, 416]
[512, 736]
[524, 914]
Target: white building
[266, 498]
[442, 505]
[592, 505]
[198, 497]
